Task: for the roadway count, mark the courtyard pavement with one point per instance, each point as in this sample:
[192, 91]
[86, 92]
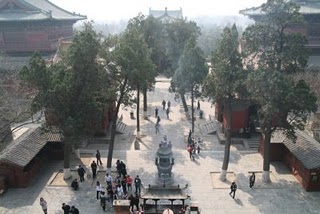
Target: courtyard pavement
[283, 195]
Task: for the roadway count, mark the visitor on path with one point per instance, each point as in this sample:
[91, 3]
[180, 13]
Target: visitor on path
[98, 156]
[131, 199]
[198, 106]
[190, 150]
[252, 179]
[158, 119]
[190, 137]
[74, 210]
[163, 105]
[75, 184]
[198, 148]
[44, 205]
[137, 184]
[156, 112]
[65, 208]
[124, 187]
[98, 189]
[169, 104]
[81, 173]
[168, 112]
[129, 182]
[123, 169]
[136, 201]
[119, 191]
[108, 179]
[110, 194]
[103, 201]
[94, 169]
[118, 167]
[157, 126]
[233, 189]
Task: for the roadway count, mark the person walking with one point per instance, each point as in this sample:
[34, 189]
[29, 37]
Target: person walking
[98, 156]
[252, 179]
[94, 169]
[169, 104]
[99, 189]
[158, 119]
[108, 179]
[103, 201]
[137, 184]
[168, 112]
[129, 182]
[44, 205]
[198, 107]
[233, 189]
[131, 199]
[81, 173]
[157, 126]
[65, 208]
[163, 105]
[156, 112]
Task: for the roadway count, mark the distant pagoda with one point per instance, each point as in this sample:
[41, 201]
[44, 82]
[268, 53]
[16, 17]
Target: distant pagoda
[34, 25]
[310, 9]
[166, 15]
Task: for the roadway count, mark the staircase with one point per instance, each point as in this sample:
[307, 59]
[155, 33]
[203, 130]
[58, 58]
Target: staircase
[253, 143]
[210, 128]
[121, 127]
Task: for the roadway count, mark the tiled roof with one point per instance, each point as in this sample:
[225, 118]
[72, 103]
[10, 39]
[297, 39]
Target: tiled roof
[174, 14]
[22, 150]
[305, 8]
[305, 149]
[37, 10]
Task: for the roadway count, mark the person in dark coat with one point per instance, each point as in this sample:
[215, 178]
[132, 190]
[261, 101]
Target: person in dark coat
[123, 169]
[168, 112]
[81, 173]
[198, 107]
[233, 189]
[66, 208]
[136, 201]
[158, 119]
[137, 184]
[74, 210]
[75, 184]
[252, 179]
[98, 156]
[156, 112]
[118, 166]
[163, 105]
[94, 169]
[103, 201]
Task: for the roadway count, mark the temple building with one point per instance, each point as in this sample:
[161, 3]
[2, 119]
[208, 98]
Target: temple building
[166, 15]
[34, 25]
[310, 9]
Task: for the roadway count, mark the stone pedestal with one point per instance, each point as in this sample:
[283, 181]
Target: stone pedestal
[121, 206]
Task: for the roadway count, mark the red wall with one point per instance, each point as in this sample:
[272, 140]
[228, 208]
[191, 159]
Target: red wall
[239, 119]
[279, 152]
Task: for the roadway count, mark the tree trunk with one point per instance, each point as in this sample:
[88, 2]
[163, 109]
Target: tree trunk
[228, 141]
[192, 110]
[112, 138]
[184, 102]
[66, 158]
[145, 103]
[114, 126]
[138, 111]
[266, 156]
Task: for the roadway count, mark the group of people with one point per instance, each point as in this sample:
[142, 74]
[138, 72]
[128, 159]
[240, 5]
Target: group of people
[65, 207]
[156, 114]
[234, 187]
[193, 146]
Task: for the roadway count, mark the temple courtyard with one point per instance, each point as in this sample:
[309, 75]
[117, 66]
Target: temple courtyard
[283, 195]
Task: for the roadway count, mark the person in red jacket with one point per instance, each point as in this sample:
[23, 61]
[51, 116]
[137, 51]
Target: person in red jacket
[129, 182]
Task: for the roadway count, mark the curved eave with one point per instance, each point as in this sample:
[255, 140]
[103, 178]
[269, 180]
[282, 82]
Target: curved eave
[43, 19]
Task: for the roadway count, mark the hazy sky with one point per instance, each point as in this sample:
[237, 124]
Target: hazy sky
[124, 9]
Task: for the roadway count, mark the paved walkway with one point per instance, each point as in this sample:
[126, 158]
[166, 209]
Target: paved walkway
[284, 195]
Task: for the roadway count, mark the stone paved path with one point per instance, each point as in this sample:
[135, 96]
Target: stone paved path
[284, 195]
